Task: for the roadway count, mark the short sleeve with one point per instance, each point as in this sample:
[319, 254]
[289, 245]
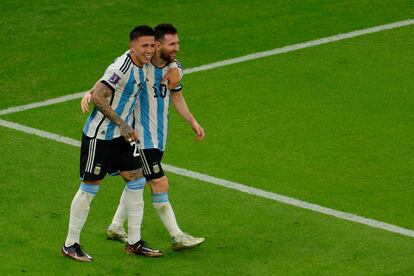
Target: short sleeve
[177, 64]
[112, 77]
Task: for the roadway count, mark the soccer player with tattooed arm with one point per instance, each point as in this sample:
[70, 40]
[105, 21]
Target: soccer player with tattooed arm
[109, 144]
[152, 115]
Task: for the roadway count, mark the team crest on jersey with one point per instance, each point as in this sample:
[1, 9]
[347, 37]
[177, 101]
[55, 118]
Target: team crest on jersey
[97, 169]
[114, 79]
[155, 168]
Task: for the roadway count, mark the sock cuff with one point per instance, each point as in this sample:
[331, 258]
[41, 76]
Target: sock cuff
[89, 188]
[160, 198]
[136, 184]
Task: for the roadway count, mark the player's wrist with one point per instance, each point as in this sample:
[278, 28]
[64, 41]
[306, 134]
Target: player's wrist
[193, 122]
[119, 122]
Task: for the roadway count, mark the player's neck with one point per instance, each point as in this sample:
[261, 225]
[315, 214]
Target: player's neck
[136, 61]
[158, 61]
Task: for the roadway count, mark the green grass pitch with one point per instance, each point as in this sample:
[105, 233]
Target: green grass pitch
[331, 125]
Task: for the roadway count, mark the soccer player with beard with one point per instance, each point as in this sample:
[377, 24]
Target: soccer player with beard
[152, 114]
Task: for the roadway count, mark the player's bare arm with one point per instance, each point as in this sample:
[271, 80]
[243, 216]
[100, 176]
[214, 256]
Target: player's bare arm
[172, 77]
[99, 94]
[86, 99]
[180, 105]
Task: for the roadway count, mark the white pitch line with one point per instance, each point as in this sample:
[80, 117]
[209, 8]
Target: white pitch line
[40, 133]
[226, 62]
[303, 45]
[44, 103]
[290, 201]
[235, 186]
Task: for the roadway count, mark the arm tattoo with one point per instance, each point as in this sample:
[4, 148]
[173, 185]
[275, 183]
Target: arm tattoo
[100, 92]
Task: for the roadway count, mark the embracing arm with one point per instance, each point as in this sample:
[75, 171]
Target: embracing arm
[86, 99]
[181, 106]
[98, 98]
[174, 78]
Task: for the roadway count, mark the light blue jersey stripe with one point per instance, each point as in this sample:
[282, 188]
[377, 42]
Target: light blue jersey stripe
[126, 94]
[88, 122]
[160, 108]
[144, 102]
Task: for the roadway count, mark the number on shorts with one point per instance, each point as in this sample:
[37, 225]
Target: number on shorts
[135, 145]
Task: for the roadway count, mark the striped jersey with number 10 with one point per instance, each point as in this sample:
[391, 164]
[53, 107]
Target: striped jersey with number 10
[152, 111]
[126, 81]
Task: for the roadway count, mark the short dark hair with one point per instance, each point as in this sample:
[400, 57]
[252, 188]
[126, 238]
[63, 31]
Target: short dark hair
[141, 30]
[163, 29]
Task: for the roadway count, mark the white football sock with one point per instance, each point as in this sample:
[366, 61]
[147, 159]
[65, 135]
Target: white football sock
[79, 211]
[166, 213]
[134, 204]
[120, 214]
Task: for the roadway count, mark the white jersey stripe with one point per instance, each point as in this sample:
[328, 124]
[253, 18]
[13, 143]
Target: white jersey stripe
[144, 120]
[166, 121]
[162, 93]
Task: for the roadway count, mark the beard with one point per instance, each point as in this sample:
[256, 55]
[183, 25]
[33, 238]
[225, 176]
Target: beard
[165, 56]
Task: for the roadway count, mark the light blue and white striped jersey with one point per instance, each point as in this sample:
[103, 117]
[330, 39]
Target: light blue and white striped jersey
[152, 110]
[125, 79]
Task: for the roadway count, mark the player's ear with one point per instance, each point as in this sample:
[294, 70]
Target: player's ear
[131, 47]
[157, 44]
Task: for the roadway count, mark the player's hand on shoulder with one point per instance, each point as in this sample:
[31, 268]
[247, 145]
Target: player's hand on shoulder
[173, 78]
[85, 102]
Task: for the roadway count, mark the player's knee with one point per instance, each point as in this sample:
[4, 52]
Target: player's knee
[160, 181]
[92, 182]
[159, 185]
[132, 175]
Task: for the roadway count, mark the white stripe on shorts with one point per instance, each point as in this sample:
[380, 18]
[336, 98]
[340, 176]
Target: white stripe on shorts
[144, 162]
[91, 155]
